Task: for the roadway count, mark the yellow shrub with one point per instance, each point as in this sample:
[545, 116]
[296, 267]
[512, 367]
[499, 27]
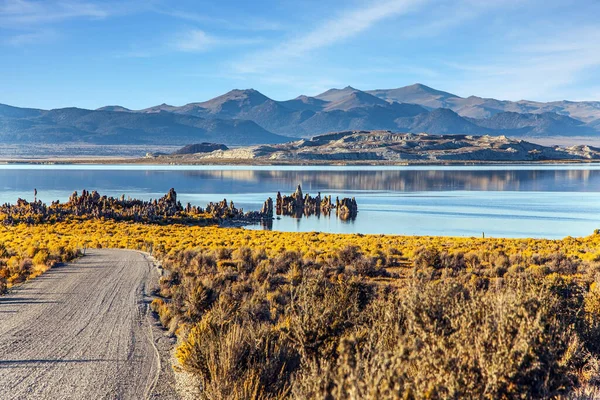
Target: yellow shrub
[41, 257]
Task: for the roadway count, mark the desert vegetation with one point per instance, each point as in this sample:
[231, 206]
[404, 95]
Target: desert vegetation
[310, 315]
[356, 324]
[23, 261]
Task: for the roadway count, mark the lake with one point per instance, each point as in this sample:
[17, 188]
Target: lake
[551, 201]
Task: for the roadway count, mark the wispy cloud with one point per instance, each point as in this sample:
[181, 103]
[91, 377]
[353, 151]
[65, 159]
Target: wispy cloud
[244, 23]
[196, 40]
[536, 68]
[185, 41]
[447, 15]
[36, 37]
[340, 28]
[15, 13]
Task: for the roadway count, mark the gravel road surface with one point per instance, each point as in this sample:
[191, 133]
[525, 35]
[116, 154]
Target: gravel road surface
[82, 331]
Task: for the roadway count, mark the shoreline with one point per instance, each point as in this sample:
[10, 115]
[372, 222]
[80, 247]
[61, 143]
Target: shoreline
[245, 162]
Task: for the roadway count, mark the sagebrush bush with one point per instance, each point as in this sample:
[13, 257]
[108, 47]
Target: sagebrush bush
[237, 358]
[449, 331]
[311, 315]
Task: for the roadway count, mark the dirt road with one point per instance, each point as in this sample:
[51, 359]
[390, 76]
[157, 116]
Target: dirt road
[81, 331]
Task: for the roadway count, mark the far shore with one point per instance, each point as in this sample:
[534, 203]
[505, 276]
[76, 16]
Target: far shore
[179, 160]
[161, 155]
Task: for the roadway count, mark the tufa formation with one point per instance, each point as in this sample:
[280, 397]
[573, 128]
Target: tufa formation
[297, 205]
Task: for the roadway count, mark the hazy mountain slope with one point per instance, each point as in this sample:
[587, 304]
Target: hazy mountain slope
[159, 108]
[7, 111]
[440, 121]
[232, 102]
[416, 94]
[394, 109]
[586, 111]
[394, 117]
[70, 125]
[303, 116]
[333, 95]
[248, 116]
[512, 123]
[479, 107]
[358, 118]
[246, 104]
[304, 103]
[114, 108]
[354, 100]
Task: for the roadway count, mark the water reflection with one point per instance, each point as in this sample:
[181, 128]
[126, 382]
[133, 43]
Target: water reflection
[239, 181]
[419, 180]
[545, 201]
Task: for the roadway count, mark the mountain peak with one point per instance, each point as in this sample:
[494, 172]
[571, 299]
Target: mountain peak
[416, 94]
[113, 108]
[304, 103]
[421, 86]
[354, 99]
[245, 91]
[335, 94]
[238, 94]
[155, 109]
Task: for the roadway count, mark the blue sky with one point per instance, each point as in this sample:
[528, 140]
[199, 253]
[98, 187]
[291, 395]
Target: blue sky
[57, 53]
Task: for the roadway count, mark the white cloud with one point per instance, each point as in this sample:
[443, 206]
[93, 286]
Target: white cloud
[196, 40]
[43, 36]
[15, 13]
[243, 23]
[338, 29]
[537, 68]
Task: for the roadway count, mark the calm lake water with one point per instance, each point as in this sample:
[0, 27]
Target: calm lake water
[502, 201]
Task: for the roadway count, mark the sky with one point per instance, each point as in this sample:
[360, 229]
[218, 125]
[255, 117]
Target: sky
[134, 53]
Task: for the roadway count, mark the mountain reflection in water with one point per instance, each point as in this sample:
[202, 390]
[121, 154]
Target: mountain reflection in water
[515, 201]
[416, 180]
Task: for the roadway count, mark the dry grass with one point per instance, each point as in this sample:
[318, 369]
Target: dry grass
[291, 326]
[309, 315]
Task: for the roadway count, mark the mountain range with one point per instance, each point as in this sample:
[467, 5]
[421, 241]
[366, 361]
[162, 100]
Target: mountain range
[245, 117]
[102, 127]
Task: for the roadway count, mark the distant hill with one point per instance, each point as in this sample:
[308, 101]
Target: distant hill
[159, 108]
[441, 121]
[416, 94]
[395, 109]
[305, 103]
[387, 147]
[16, 112]
[549, 124]
[200, 148]
[479, 107]
[72, 125]
[333, 95]
[241, 117]
[114, 108]
[303, 116]
[356, 99]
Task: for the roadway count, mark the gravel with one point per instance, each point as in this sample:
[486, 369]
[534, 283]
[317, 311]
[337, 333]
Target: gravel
[84, 331]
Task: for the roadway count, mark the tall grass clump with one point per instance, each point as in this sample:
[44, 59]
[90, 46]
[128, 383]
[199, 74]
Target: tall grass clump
[454, 327]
